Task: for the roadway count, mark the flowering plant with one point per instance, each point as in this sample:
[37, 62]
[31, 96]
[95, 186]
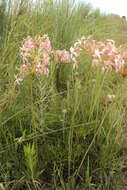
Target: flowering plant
[101, 52]
[36, 54]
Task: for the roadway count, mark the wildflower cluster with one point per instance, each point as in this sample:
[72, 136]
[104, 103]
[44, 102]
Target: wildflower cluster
[76, 50]
[101, 52]
[62, 56]
[35, 53]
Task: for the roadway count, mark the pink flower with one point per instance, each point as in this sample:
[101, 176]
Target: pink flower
[46, 45]
[62, 56]
[105, 53]
[18, 80]
[97, 54]
[74, 52]
[46, 58]
[37, 65]
[44, 70]
[27, 48]
[24, 68]
[35, 53]
[65, 56]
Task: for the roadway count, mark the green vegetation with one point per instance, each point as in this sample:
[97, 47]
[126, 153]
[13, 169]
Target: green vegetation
[59, 132]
